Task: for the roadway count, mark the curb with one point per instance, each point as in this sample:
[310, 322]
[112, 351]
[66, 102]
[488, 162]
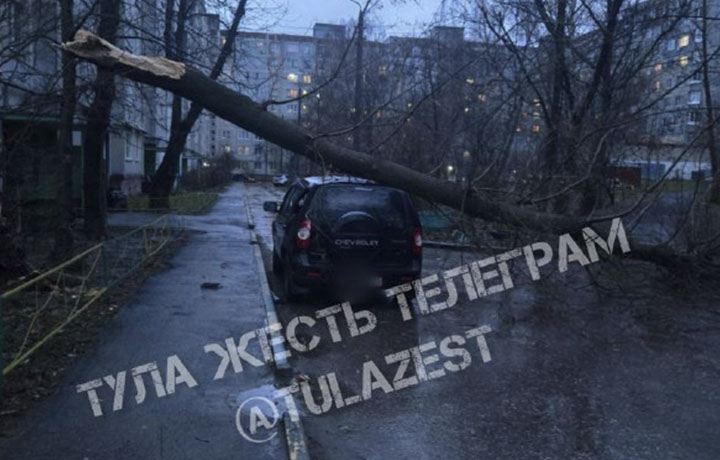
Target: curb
[294, 432]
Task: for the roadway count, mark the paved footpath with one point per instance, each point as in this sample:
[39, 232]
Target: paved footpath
[169, 315]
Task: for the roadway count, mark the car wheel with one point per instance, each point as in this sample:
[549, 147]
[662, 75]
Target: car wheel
[277, 267]
[290, 291]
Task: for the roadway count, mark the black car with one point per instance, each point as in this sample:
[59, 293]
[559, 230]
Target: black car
[344, 234]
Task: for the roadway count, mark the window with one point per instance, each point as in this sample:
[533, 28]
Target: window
[275, 47]
[382, 69]
[683, 41]
[684, 61]
[226, 133]
[307, 79]
[482, 97]
[258, 165]
[292, 93]
[536, 128]
[657, 85]
[291, 47]
[307, 49]
[670, 45]
[470, 80]
[694, 117]
[694, 97]
[260, 47]
[658, 67]
[291, 77]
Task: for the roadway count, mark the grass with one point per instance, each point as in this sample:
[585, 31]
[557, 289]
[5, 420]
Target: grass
[181, 202]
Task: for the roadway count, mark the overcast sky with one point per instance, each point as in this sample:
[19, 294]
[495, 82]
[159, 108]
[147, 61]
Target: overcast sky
[396, 19]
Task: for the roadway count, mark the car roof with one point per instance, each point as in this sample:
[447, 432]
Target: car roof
[313, 181]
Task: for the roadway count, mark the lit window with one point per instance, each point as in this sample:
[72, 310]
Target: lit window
[292, 77]
[379, 114]
[467, 109]
[683, 41]
[482, 97]
[292, 93]
[223, 41]
[307, 79]
[657, 85]
[409, 105]
[536, 102]
[684, 61]
[304, 108]
[352, 110]
[536, 114]
[518, 129]
[470, 81]
[382, 70]
[658, 67]
[466, 153]
[536, 128]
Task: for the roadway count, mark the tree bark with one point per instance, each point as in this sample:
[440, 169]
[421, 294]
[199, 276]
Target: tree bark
[98, 121]
[247, 114]
[63, 213]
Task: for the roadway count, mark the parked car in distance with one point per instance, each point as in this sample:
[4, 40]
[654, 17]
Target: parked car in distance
[282, 179]
[345, 236]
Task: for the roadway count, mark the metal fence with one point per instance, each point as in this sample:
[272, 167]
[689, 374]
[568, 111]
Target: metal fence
[38, 310]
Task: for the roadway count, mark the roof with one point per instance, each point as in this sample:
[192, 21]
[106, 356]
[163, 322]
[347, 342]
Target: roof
[321, 180]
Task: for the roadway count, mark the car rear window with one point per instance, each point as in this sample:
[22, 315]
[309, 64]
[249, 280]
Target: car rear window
[386, 204]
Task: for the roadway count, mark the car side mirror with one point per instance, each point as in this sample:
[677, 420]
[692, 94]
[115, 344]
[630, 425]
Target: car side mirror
[270, 206]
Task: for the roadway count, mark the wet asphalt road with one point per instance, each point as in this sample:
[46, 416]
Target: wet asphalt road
[169, 315]
[577, 372]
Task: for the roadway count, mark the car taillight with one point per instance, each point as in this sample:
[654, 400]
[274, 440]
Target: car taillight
[417, 242]
[303, 235]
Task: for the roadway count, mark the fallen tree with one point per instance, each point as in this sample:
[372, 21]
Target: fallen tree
[239, 109]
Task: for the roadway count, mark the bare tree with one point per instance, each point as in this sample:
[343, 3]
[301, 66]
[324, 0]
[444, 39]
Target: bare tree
[239, 109]
[98, 121]
[181, 126]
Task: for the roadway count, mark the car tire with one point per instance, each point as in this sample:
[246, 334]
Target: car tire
[290, 291]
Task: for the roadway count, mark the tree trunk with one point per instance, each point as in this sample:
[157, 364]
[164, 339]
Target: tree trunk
[63, 214]
[180, 127]
[245, 113]
[98, 121]
[714, 195]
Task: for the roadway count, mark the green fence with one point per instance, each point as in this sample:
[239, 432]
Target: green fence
[38, 310]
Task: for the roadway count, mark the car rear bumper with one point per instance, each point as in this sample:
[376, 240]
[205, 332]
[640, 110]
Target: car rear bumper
[308, 275]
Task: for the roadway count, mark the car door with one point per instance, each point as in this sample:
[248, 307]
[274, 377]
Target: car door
[284, 216]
